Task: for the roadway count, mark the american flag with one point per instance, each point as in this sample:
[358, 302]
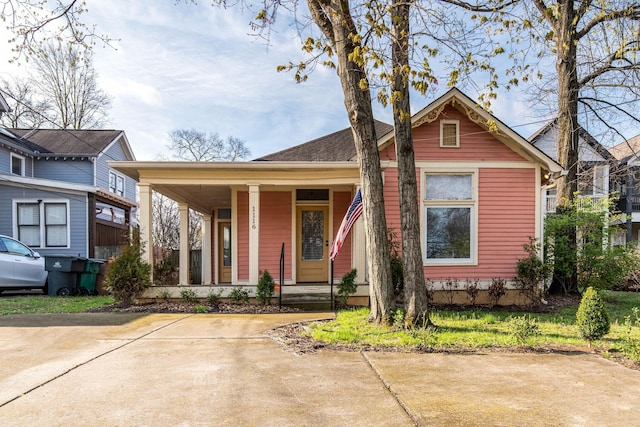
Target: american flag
[353, 213]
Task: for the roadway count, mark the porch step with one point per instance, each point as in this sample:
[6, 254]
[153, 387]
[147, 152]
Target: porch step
[292, 294]
[312, 306]
[306, 298]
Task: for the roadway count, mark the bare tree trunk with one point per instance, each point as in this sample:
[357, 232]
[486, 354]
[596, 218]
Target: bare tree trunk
[415, 296]
[568, 87]
[566, 67]
[334, 18]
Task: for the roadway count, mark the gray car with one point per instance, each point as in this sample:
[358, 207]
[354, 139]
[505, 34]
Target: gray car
[20, 266]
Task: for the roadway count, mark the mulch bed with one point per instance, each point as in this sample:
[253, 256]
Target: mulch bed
[186, 307]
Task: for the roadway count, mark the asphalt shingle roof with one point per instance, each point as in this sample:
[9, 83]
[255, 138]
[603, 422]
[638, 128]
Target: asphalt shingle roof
[335, 147]
[88, 142]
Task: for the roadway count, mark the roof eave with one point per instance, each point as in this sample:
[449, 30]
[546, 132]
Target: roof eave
[132, 168]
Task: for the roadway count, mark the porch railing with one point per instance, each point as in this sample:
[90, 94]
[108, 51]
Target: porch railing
[635, 204]
[550, 202]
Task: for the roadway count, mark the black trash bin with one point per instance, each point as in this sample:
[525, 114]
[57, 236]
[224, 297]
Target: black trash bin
[63, 273]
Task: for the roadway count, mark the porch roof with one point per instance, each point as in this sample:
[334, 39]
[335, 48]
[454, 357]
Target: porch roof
[206, 186]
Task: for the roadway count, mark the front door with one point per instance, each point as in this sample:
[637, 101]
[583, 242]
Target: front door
[224, 252]
[313, 244]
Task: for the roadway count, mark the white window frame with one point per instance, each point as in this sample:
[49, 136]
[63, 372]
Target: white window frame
[471, 203]
[43, 225]
[449, 122]
[117, 179]
[600, 190]
[595, 188]
[22, 164]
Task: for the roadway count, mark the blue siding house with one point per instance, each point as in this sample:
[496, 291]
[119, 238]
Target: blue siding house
[58, 194]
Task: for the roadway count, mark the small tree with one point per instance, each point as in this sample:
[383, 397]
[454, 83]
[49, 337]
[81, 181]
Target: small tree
[265, 288]
[532, 271]
[592, 318]
[599, 264]
[347, 286]
[129, 275]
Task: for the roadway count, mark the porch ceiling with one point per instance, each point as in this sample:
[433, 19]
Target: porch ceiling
[202, 198]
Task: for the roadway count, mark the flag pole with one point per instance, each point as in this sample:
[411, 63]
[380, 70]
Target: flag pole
[332, 299]
[352, 215]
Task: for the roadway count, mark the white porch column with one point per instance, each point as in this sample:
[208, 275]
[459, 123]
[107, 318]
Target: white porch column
[254, 233]
[184, 244]
[206, 249]
[358, 250]
[146, 222]
[234, 239]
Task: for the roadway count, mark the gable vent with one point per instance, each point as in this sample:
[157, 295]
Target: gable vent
[449, 136]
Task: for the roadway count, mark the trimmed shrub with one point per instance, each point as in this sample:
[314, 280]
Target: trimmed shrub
[239, 295]
[347, 286]
[265, 289]
[189, 296]
[129, 275]
[163, 295]
[592, 318]
[213, 298]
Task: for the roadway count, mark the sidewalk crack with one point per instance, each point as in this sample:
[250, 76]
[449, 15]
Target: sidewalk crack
[393, 394]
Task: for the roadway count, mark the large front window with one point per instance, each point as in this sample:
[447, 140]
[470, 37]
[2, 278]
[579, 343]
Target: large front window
[43, 224]
[449, 216]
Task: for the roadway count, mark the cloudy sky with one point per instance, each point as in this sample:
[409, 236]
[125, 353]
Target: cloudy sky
[180, 66]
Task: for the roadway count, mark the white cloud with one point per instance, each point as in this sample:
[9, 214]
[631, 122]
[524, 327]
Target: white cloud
[198, 67]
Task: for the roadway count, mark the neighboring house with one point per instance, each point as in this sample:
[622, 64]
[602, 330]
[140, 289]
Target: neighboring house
[480, 186]
[595, 168]
[628, 180]
[58, 194]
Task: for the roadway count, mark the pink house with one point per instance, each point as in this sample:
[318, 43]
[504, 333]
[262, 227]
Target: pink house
[481, 198]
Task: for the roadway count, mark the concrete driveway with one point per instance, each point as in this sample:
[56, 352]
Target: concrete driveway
[209, 370]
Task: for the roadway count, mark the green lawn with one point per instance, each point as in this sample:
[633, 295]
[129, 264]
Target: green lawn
[32, 304]
[462, 330]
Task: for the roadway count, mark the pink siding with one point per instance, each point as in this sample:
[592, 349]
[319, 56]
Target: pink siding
[392, 202]
[275, 229]
[341, 201]
[476, 144]
[506, 220]
[243, 235]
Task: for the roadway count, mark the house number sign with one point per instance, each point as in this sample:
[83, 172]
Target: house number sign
[253, 218]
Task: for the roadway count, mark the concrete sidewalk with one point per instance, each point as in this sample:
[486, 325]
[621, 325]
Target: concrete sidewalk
[209, 370]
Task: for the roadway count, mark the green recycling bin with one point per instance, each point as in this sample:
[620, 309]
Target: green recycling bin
[87, 278]
[63, 273]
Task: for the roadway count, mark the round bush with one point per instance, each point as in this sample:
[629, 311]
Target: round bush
[592, 318]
